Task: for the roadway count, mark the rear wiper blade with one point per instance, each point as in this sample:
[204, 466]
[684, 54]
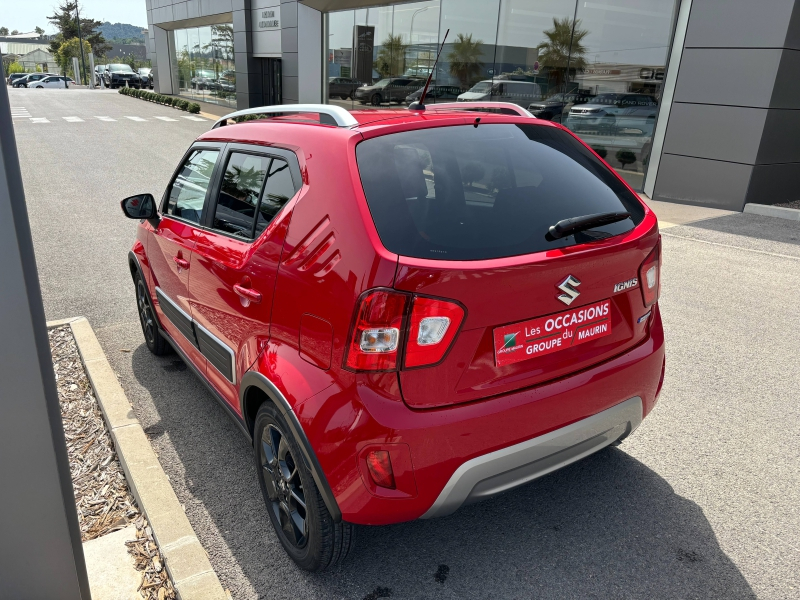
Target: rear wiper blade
[567, 227]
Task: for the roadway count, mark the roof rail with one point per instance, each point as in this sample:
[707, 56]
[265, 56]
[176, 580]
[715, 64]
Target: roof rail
[336, 114]
[505, 107]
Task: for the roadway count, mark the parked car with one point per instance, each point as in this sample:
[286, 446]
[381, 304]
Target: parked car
[391, 89]
[338, 308]
[99, 72]
[53, 81]
[204, 79]
[516, 92]
[117, 75]
[556, 107]
[14, 76]
[613, 113]
[146, 77]
[30, 78]
[435, 92]
[342, 87]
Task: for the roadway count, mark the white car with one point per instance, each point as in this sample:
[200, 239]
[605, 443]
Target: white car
[53, 81]
[521, 93]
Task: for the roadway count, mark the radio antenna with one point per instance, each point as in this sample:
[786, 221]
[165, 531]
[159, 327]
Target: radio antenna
[420, 104]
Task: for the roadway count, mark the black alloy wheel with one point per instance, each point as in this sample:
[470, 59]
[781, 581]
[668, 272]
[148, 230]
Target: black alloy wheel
[376, 100]
[296, 509]
[152, 336]
[284, 486]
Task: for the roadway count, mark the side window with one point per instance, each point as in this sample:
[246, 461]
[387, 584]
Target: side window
[239, 194]
[188, 191]
[278, 190]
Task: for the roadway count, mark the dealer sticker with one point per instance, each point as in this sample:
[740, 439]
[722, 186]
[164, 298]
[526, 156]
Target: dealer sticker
[545, 335]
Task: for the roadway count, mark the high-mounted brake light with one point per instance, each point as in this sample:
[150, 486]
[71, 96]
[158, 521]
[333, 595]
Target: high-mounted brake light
[650, 276]
[376, 336]
[434, 324]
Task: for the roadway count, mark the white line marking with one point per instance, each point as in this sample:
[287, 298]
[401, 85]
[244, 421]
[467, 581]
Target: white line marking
[166, 118]
[193, 118]
[107, 119]
[39, 120]
[73, 119]
[691, 239]
[136, 119]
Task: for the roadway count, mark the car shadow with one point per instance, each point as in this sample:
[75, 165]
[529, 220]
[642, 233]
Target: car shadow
[757, 227]
[606, 527]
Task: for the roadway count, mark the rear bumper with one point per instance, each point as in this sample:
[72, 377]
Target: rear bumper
[488, 475]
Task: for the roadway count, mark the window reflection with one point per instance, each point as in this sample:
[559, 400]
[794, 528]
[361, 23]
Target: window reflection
[203, 64]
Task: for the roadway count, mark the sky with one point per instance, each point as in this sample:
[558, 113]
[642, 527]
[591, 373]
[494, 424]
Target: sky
[25, 15]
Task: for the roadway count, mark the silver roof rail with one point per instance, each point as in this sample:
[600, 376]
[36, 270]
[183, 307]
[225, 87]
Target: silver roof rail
[337, 115]
[508, 106]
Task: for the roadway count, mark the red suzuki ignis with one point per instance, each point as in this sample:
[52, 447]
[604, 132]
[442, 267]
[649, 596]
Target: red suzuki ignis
[405, 310]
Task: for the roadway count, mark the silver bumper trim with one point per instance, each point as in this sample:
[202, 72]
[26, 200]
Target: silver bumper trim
[488, 475]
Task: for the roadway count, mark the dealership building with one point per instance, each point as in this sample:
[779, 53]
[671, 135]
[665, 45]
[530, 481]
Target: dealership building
[692, 101]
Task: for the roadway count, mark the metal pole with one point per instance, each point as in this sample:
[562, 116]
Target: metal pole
[91, 70]
[41, 555]
[80, 39]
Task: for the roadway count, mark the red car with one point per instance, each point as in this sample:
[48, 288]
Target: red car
[405, 311]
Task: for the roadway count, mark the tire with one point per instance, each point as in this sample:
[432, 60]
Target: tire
[376, 100]
[308, 533]
[147, 319]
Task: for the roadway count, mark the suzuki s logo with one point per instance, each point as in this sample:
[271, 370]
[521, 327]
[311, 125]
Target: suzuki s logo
[568, 287]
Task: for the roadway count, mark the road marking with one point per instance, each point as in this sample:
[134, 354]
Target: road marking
[166, 118]
[19, 112]
[136, 119]
[195, 118]
[691, 239]
[73, 119]
[39, 120]
[107, 119]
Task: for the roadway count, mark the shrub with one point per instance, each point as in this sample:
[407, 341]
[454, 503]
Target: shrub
[626, 157]
[183, 104]
[194, 108]
[601, 151]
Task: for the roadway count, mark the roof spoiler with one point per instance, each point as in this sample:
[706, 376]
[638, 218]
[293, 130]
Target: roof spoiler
[329, 114]
[502, 107]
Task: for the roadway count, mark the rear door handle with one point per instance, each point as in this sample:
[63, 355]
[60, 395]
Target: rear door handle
[183, 264]
[253, 296]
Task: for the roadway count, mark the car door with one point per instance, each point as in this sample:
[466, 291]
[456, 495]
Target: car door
[235, 260]
[170, 247]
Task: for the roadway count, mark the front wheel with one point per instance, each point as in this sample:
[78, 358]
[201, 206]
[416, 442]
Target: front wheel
[152, 336]
[376, 100]
[298, 514]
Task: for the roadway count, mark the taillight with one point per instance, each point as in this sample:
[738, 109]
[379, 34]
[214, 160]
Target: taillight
[381, 332]
[376, 336]
[434, 324]
[650, 276]
[380, 468]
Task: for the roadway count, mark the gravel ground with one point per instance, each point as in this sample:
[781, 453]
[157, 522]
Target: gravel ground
[102, 497]
[795, 204]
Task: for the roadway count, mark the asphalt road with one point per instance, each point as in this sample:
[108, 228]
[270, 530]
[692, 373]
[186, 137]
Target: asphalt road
[702, 502]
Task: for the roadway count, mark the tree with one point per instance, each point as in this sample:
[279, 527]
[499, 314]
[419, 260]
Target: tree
[3, 31]
[465, 59]
[626, 157]
[392, 56]
[39, 30]
[563, 49]
[14, 67]
[67, 51]
[64, 21]
[15, 32]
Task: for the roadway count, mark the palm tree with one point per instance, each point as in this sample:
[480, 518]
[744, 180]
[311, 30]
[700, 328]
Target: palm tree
[464, 59]
[564, 48]
[392, 56]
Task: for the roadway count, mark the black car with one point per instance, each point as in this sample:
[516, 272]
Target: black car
[442, 93]
[98, 73]
[556, 107]
[146, 75]
[391, 89]
[30, 78]
[342, 87]
[117, 75]
[14, 76]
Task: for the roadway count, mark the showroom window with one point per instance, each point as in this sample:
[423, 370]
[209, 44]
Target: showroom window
[203, 64]
[596, 67]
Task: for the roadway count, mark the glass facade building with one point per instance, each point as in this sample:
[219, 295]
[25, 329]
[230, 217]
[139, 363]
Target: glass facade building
[596, 67]
[203, 64]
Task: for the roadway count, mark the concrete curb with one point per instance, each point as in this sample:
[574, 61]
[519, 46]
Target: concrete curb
[766, 210]
[185, 559]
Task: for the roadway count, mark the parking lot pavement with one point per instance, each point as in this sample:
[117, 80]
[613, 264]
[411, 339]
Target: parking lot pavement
[701, 502]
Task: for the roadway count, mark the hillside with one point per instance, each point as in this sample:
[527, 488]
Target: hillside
[122, 32]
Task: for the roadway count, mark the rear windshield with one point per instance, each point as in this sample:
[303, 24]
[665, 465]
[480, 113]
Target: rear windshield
[472, 193]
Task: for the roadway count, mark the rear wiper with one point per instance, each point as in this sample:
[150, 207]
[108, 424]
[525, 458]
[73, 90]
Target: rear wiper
[567, 227]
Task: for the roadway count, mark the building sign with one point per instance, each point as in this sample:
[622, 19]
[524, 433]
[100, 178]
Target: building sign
[601, 72]
[268, 18]
[266, 29]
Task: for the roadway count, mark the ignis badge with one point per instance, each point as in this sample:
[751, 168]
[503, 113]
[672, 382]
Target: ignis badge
[626, 285]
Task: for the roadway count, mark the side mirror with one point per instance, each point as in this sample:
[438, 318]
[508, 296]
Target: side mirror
[142, 206]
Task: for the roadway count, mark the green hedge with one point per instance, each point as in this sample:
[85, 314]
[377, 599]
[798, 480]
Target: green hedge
[172, 101]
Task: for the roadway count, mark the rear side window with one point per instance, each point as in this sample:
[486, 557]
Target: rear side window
[472, 193]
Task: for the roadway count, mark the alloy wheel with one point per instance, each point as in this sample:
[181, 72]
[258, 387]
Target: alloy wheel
[284, 486]
[145, 314]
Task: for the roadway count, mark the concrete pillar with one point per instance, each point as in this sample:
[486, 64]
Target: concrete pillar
[301, 46]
